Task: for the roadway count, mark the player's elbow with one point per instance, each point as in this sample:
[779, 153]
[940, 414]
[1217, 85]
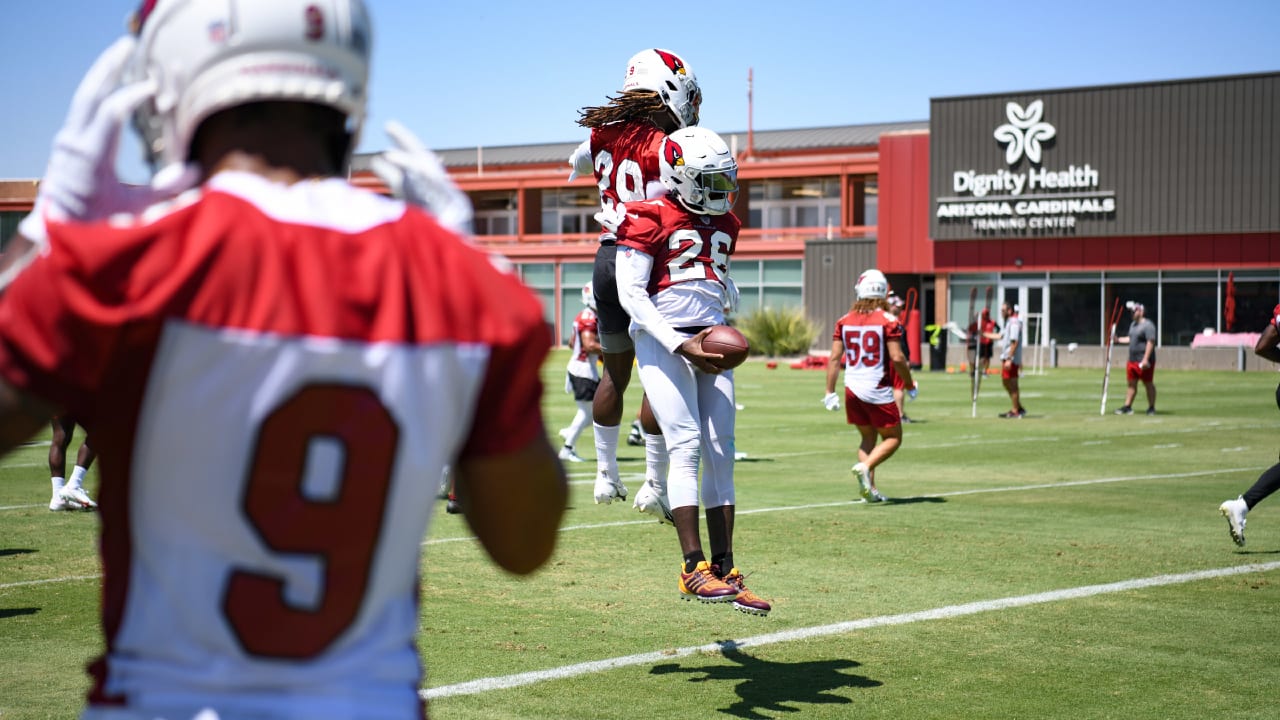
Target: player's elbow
[514, 504]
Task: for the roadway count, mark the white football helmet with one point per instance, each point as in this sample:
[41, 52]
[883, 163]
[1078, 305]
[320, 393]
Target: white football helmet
[589, 295]
[698, 169]
[210, 55]
[665, 73]
[872, 284]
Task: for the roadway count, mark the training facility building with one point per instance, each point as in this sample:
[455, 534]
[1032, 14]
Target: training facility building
[1063, 201]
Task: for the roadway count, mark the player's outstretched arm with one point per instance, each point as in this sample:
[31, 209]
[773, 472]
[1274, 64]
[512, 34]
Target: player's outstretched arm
[1266, 346]
[514, 503]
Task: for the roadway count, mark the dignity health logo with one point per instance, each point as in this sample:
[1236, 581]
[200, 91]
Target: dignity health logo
[1038, 198]
[1024, 132]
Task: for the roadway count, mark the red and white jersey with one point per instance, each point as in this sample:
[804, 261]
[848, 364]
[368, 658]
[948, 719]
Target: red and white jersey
[274, 378]
[690, 254]
[868, 371]
[1275, 317]
[581, 363]
[625, 157]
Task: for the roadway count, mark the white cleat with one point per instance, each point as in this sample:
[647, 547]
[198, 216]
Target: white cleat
[876, 497]
[863, 474]
[651, 502]
[1234, 511]
[607, 489]
[568, 455]
[57, 504]
[76, 495]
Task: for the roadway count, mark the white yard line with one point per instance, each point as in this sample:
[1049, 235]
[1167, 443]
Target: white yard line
[504, 682]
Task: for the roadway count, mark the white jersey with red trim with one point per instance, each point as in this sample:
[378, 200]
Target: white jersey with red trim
[581, 363]
[690, 255]
[868, 371]
[275, 378]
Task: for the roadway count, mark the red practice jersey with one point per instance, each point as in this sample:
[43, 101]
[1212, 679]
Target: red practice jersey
[625, 156]
[684, 246]
[274, 378]
[868, 370]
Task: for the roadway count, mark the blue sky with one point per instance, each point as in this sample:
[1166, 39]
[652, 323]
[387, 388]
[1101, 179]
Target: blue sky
[508, 73]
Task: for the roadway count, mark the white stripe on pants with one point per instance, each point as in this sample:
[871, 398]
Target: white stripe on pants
[696, 412]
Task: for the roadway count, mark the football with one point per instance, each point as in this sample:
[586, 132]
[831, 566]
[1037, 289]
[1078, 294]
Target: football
[727, 341]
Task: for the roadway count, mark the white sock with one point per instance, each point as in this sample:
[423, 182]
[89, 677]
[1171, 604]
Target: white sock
[77, 476]
[656, 461]
[579, 423]
[607, 448]
[57, 484]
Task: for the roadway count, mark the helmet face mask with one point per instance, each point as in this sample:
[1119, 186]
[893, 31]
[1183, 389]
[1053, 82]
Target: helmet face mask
[872, 284]
[205, 56]
[698, 169]
[665, 73]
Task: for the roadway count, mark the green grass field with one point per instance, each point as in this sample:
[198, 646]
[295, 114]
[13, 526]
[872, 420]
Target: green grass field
[1068, 565]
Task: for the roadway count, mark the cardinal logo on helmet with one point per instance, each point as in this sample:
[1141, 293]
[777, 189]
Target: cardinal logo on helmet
[672, 153]
[673, 62]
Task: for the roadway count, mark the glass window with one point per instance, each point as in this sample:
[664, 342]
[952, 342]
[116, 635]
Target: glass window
[568, 211]
[1254, 303]
[1076, 313]
[1187, 308]
[783, 271]
[794, 202]
[9, 220]
[573, 277]
[871, 201]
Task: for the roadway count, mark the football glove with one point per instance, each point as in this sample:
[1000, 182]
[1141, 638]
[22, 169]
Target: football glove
[80, 182]
[415, 174]
[915, 390]
[611, 217]
[581, 161]
[831, 401]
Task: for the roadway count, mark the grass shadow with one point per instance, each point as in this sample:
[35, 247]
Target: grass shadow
[767, 688]
[6, 613]
[5, 552]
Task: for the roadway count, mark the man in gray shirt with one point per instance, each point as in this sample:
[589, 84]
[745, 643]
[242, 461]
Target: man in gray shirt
[1142, 360]
[1010, 338]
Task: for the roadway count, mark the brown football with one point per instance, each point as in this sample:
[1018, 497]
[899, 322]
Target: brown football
[730, 343]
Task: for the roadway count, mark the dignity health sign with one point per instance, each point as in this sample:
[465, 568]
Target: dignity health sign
[1024, 195]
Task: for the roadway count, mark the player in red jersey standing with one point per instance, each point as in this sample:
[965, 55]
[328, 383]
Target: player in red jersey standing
[581, 374]
[275, 367]
[672, 272]
[660, 94]
[867, 345]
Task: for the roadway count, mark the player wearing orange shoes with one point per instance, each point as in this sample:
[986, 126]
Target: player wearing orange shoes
[673, 280]
[867, 346]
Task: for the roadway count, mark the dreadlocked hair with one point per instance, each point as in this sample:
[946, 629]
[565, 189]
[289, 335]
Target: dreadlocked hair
[867, 305]
[632, 105]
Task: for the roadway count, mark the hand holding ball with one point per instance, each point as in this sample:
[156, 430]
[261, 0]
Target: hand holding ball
[727, 341]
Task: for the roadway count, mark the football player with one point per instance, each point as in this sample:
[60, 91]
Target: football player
[68, 494]
[867, 346]
[275, 367]
[672, 274]
[581, 374]
[660, 94]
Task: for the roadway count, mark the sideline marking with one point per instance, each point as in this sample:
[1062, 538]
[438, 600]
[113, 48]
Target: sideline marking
[481, 685]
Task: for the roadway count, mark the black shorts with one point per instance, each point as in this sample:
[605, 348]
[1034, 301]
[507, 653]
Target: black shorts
[612, 321]
[984, 350]
[584, 389]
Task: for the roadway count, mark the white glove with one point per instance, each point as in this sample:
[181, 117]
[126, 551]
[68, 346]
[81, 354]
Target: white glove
[581, 162]
[831, 401]
[80, 182]
[915, 390]
[415, 174]
[729, 296]
[611, 218]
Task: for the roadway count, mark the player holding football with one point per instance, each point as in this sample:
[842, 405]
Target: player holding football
[581, 375]
[660, 94]
[275, 366]
[672, 273]
[867, 345]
